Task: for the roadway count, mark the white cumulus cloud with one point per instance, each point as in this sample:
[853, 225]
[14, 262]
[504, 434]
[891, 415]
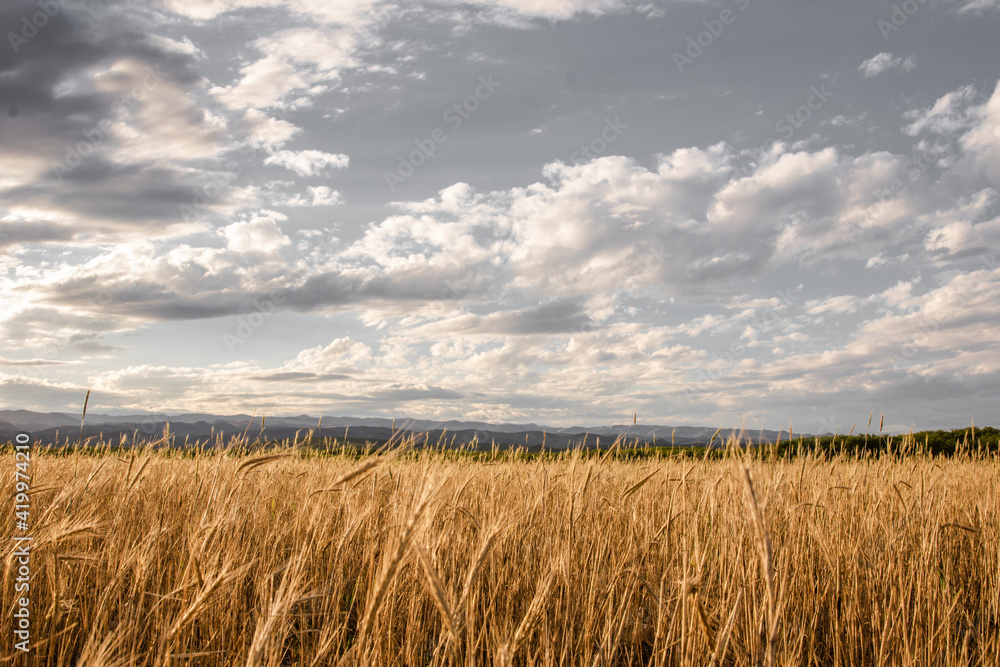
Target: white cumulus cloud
[308, 162]
[884, 62]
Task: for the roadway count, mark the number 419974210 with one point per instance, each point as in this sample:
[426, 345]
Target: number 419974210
[22, 463]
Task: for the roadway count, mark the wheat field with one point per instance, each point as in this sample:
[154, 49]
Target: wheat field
[288, 557]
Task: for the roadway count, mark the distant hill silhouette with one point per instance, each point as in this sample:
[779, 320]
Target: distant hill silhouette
[46, 427]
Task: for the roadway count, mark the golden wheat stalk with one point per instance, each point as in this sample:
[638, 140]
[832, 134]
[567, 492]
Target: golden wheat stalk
[767, 566]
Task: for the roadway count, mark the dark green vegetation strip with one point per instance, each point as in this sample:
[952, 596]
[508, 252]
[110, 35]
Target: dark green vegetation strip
[972, 440]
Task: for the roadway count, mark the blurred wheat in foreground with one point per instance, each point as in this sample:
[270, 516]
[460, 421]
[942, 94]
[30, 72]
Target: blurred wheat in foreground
[291, 558]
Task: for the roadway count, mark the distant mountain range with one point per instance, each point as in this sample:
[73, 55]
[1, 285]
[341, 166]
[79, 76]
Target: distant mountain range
[48, 426]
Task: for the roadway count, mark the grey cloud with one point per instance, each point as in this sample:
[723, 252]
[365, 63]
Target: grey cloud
[299, 376]
[47, 118]
[557, 316]
[428, 285]
[30, 362]
[68, 45]
[414, 394]
[34, 231]
[117, 197]
[30, 393]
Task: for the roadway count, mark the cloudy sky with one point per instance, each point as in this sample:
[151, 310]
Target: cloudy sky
[560, 211]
